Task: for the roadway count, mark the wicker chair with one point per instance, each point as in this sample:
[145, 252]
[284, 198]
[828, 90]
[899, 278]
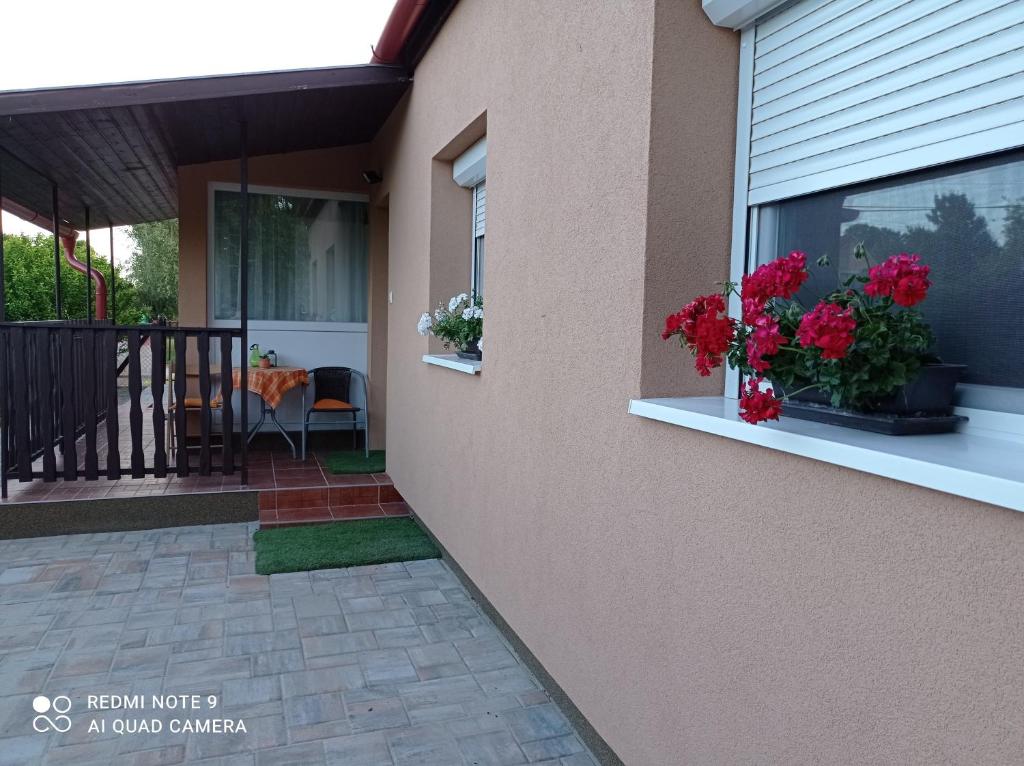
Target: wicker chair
[332, 388]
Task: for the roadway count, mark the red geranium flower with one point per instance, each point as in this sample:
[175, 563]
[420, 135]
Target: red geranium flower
[703, 331]
[757, 405]
[779, 279]
[752, 309]
[764, 340]
[828, 327]
[902, 277]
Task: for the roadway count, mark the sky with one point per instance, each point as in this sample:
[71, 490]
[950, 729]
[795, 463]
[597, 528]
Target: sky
[107, 41]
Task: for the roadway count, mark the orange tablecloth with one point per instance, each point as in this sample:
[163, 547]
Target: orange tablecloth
[272, 383]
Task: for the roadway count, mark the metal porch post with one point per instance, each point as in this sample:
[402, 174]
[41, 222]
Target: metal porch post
[3, 355]
[3, 274]
[88, 269]
[56, 255]
[113, 277]
[244, 295]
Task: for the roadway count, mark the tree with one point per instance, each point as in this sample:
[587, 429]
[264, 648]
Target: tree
[154, 267]
[29, 281]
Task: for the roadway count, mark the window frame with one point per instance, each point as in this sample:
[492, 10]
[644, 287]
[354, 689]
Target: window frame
[981, 401]
[479, 243]
[270, 324]
[469, 170]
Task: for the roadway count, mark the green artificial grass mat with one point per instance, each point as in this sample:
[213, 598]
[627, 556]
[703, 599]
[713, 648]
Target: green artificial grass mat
[356, 462]
[342, 544]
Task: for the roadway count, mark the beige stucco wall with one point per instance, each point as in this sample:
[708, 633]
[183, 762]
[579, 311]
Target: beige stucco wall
[702, 601]
[331, 170]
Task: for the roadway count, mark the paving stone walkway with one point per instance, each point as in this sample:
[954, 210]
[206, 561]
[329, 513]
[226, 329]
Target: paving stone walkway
[389, 665]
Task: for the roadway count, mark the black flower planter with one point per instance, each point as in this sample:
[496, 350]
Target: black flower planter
[922, 406]
[472, 351]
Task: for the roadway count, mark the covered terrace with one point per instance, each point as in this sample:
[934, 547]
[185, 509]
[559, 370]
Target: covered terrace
[73, 159]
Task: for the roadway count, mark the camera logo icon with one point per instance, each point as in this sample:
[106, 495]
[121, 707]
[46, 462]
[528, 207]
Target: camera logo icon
[60, 705]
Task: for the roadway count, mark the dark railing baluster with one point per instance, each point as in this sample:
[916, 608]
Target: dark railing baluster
[157, 347]
[67, 383]
[20, 393]
[135, 412]
[227, 426]
[109, 363]
[89, 405]
[205, 415]
[180, 392]
[47, 409]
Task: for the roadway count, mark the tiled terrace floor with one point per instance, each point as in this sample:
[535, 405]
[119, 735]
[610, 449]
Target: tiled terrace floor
[291, 491]
[390, 665]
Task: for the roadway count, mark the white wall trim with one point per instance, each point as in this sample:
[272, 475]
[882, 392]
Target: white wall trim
[453, 362]
[470, 167]
[736, 14]
[741, 172]
[980, 464]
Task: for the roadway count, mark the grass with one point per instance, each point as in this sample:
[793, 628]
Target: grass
[355, 462]
[343, 544]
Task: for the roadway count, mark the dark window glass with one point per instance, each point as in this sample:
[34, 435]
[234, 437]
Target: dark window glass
[478, 266]
[966, 221]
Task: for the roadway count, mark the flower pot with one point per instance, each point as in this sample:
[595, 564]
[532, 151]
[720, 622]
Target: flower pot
[922, 406]
[265, 363]
[472, 351]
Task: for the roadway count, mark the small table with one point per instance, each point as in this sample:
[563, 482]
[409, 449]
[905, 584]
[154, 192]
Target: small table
[270, 384]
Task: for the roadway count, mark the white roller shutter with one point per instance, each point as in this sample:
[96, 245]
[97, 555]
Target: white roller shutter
[848, 90]
[479, 209]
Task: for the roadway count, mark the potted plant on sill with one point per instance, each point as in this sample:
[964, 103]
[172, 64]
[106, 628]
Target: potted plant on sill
[859, 358]
[460, 324]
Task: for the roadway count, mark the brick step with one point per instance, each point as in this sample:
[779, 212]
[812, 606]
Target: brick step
[290, 517]
[325, 497]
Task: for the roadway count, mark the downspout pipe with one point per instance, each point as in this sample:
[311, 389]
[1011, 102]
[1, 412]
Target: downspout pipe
[68, 238]
[396, 32]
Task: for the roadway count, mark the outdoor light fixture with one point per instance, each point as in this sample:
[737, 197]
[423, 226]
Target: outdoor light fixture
[372, 177]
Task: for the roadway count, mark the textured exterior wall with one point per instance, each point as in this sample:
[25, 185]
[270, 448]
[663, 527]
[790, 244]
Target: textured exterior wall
[332, 170]
[699, 599]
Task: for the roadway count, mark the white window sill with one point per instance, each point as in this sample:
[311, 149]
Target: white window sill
[453, 362]
[982, 462]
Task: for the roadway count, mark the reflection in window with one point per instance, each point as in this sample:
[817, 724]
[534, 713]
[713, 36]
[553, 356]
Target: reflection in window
[967, 223]
[307, 258]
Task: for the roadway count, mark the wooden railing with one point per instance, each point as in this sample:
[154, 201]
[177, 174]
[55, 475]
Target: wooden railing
[59, 387]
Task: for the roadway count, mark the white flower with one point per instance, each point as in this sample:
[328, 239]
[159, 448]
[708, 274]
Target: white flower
[456, 300]
[439, 314]
[478, 312]
[467, 313]
[424, 325]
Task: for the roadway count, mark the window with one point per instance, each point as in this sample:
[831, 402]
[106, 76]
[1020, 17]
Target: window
[469, 170]
[308, 257]
[834, 99]
[479, 220]
[965, 220]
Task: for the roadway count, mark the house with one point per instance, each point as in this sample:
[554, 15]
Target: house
[701, 590]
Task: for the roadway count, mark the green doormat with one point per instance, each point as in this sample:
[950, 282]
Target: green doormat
[355, 462]
[343, 544]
